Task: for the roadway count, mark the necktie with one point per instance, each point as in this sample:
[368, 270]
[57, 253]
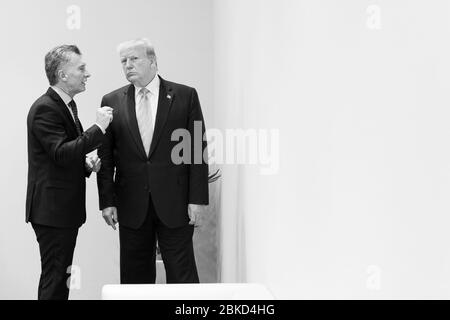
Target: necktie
[73, 107]
[144, 119]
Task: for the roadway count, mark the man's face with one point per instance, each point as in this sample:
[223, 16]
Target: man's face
[138, 68]
[75, 75]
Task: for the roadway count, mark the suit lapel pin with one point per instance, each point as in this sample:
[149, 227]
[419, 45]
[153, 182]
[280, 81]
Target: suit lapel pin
[169, 96]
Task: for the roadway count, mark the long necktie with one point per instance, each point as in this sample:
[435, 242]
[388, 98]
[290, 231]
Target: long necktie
[73, 106]
[144, 119]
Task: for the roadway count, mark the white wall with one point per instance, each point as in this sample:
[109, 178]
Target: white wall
[182, 34]
[360, 205]
[358, 208]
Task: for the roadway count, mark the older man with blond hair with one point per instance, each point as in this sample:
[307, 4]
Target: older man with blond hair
[151, 196]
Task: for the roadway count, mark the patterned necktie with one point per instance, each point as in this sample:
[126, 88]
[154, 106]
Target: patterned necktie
[73, 107]
[144, 119]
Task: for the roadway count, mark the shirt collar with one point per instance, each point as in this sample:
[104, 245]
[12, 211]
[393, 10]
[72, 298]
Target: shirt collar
[153, 86]
[64, 96]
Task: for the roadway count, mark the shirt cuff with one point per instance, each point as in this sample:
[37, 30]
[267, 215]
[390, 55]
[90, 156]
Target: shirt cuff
[103, 130]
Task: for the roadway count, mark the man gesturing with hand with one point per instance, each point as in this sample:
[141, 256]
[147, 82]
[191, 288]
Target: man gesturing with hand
[58, 167]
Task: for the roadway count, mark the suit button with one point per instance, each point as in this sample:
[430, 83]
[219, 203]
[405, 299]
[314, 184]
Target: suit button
[145, 188]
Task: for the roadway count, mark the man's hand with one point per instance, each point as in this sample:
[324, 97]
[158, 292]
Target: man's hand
[195, 214]
[110, 216]
[104, 117]
[93, 163]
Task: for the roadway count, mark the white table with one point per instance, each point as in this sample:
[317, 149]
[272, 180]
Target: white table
[202, 291]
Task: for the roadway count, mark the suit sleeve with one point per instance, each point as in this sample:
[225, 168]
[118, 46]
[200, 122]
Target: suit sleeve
[105, 177]
[49, 128]
[198, 169]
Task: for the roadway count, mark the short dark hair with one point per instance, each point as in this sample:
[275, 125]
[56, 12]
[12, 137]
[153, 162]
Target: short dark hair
[57, 57]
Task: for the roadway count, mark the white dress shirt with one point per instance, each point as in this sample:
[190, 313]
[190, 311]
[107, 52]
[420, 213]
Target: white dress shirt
[153, 87]
[66, 99]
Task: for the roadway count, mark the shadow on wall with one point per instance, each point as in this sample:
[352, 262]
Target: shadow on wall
[205, 238]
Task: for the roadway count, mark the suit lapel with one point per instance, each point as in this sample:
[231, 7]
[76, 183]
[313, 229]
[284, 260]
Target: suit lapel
[166, 96]
[130, 117]
[64, 110]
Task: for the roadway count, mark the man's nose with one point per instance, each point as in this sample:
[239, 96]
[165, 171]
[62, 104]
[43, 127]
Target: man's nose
[87, 74]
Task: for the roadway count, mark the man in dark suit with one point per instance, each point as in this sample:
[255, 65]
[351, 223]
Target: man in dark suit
[58, 166]
[142, 184]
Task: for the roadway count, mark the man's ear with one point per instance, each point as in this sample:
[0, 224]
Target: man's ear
[153, 62]
[62, 75]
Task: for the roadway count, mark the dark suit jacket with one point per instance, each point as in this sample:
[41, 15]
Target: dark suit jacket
[56, 192]
[171, 186]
